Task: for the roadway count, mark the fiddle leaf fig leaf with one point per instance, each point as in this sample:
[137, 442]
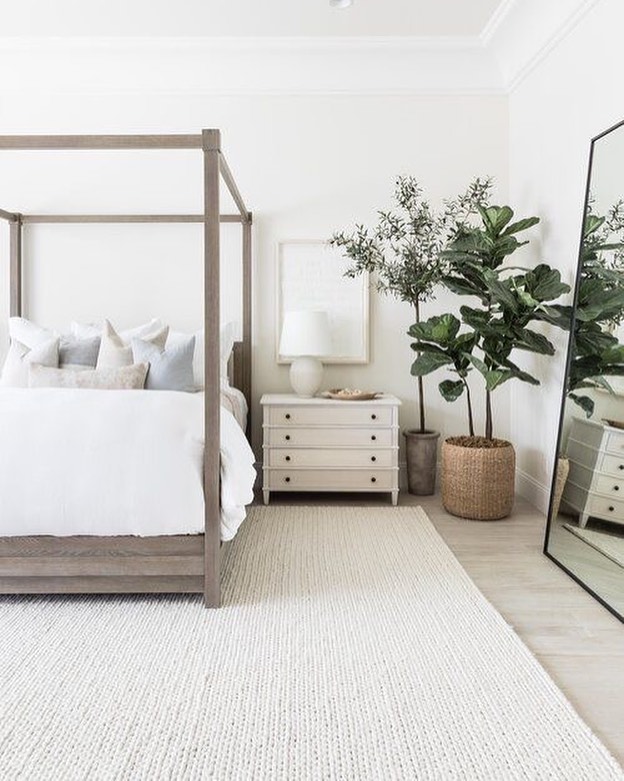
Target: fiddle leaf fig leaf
[521, 225]
[451, 390]
[429, 362]
[584, 402]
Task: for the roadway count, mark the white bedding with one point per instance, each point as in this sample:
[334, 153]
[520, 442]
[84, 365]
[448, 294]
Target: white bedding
[103, 462]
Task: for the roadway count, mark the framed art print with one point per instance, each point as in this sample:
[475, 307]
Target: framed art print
[310, 276]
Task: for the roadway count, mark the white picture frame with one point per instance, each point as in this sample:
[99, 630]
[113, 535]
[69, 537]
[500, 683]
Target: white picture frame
[310, 275]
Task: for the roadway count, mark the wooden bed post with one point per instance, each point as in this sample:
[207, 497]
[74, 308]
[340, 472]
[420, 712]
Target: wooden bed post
[247, 304]
[15, 267]
[211, 144]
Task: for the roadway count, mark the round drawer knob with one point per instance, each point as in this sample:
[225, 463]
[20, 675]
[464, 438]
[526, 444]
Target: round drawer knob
[287, 437]
[374, 438]
[373, 417]
[616, 487]
[373, 479]
[611, 509]
[621, 466]
[287, 479]
[287, 416]
[287, 458]
[373, 458]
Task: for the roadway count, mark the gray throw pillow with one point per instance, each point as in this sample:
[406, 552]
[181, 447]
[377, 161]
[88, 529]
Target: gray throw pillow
[82, 353]
[169, 369]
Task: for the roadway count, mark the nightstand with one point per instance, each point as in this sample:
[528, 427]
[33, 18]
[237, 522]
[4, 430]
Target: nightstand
[329, 445]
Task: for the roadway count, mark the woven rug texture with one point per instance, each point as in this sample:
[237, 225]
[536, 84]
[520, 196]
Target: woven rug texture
[351, 645]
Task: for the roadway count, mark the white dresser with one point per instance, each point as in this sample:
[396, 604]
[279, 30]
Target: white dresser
[595, 484]
[325, 445]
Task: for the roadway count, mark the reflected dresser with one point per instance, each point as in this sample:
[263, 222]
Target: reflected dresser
[323, 444]
[595, 484]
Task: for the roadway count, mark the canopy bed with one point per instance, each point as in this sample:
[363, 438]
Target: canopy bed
[180, 558]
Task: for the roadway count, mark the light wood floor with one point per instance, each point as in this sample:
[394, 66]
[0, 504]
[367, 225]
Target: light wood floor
[576, 640]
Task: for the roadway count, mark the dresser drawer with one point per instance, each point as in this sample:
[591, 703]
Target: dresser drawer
[614, 443]
[330, 416]
[330, 480]
[605, 507]
[336, 457]
[330, 437]
[612, 486]
[612, 465]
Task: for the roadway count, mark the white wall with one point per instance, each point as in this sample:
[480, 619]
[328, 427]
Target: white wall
[571, 95]
[306, 165]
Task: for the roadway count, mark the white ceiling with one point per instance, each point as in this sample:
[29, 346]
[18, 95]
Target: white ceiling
[424, 18]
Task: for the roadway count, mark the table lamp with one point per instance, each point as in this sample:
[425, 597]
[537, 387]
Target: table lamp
[305, 338]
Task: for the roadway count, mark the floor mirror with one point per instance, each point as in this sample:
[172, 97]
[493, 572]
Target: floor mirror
[585, 530]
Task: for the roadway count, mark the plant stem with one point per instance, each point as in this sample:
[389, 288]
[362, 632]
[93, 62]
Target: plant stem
[488, 415]
[421, 390]
[471, 430]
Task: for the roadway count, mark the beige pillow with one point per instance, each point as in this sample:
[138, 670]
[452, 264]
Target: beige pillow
[125, 378]
[115, 352]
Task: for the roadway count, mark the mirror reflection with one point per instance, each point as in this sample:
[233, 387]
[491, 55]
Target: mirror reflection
[585, 532]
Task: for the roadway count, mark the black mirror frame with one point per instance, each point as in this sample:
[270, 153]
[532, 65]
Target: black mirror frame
[564, 394]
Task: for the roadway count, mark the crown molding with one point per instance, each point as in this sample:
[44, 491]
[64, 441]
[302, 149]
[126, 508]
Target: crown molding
[522, 34]
[249, 66]
[517, 37]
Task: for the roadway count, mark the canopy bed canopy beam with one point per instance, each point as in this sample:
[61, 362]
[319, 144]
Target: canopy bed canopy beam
[180, 141]
[8, 216]
[121, 218]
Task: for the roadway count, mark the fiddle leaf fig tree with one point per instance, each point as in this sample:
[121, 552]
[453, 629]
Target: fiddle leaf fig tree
[404, 251]
[510, 299]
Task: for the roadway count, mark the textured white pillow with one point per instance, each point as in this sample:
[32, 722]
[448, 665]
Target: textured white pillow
[126, 378]
[115, 353]
[144, 331]
[20, 357]
[28, 333]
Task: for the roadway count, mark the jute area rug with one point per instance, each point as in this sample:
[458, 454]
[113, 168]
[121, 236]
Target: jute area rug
[352, 645]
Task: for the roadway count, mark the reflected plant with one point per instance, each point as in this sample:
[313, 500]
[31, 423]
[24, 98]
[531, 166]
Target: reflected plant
[596, 351]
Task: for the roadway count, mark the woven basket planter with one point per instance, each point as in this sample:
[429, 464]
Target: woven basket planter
[478, 482]
[563, 469]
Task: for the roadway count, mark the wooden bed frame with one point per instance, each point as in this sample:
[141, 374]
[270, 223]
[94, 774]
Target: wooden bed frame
[125, 564]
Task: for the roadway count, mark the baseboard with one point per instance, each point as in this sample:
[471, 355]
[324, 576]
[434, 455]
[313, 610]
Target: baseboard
[532, 490]
[526, 486]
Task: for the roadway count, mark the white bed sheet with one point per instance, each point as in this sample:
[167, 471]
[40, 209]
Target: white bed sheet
[101, 462]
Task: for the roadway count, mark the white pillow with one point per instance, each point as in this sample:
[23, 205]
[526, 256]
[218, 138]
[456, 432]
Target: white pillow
[144, 331]
[20, 357]
[28, 333]
[227, 334]
[115, 353]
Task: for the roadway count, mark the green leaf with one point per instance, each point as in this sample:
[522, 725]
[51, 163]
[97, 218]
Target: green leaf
[451, 390]
[429, 362]
[521, 225]
[533, 342]
[584, 402]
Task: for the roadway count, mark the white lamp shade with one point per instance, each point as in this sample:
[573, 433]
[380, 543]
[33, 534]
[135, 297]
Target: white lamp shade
[305, 333]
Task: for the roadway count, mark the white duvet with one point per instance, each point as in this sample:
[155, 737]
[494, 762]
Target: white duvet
[104, 462]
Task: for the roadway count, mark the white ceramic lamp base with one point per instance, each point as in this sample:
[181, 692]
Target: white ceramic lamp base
[306, 375]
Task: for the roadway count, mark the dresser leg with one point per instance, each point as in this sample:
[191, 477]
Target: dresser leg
[395, 498]
[265, 495]
[583, 520]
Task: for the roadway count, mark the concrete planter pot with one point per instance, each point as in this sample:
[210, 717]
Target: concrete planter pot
[422, 459]
[478, 477]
